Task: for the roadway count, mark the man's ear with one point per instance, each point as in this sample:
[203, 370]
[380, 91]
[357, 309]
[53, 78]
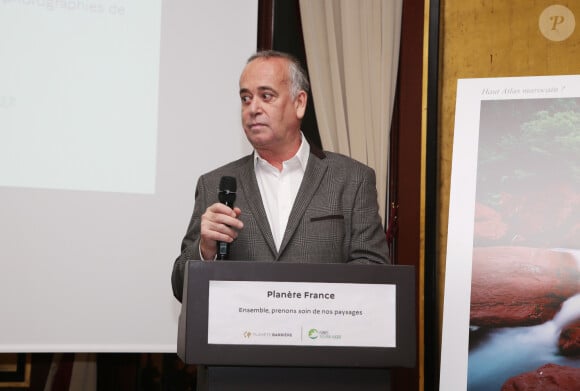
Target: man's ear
[300, 104]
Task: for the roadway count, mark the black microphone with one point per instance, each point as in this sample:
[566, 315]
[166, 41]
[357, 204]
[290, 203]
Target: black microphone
[227, 196]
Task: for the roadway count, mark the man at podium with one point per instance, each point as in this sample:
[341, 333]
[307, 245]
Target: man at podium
[287, 201]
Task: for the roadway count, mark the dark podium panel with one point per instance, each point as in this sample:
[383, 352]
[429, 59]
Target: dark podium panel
[281, 367]
[293, 379]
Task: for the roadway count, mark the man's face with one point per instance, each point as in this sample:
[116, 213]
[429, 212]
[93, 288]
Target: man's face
[271, 119]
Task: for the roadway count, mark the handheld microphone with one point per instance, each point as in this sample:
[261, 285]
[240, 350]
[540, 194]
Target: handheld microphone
[227, 196]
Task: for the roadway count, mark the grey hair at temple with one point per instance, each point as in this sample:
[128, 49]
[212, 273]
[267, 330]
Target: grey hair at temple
[298, 78]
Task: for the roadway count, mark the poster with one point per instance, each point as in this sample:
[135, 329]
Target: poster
[511, 315]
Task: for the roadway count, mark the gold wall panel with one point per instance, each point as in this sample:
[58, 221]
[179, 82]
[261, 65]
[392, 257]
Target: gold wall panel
[496, 38]
[15, 370]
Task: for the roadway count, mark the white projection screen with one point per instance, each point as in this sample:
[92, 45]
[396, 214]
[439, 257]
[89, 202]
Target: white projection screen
[109, 112]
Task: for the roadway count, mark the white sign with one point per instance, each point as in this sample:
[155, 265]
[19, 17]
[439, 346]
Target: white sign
[302, 314]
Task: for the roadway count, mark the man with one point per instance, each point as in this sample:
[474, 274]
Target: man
[294, 203]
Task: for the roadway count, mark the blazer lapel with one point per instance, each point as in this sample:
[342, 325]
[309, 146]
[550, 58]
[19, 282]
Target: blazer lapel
[312, 177]
[249, 186]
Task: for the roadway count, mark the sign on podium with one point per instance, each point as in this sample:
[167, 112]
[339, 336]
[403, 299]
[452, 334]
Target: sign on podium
[298, 318]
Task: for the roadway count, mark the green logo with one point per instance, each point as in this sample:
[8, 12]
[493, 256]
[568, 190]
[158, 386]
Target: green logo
[313, 333]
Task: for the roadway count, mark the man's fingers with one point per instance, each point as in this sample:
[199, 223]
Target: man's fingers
[217, 232]
[222, 214]
[220, 223]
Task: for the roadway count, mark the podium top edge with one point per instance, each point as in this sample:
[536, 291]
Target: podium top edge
[306, 272]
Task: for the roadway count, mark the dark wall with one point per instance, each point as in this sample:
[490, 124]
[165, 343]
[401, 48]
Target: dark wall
[405, 163]
[281, 29]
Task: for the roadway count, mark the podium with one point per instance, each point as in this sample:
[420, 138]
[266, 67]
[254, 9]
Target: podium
[289, 326]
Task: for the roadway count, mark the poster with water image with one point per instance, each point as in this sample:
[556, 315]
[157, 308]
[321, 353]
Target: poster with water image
[512, 286]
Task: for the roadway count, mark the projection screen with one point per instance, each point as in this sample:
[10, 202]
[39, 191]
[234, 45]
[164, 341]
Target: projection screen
[109, 112]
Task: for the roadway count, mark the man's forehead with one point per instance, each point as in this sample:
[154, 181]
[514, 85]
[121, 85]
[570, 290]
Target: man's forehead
[273, 70]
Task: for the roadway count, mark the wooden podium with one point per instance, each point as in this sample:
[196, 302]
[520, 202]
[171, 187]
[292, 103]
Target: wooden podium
[234, 356]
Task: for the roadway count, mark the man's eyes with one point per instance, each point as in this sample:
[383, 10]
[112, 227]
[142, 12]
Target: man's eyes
[266, 97]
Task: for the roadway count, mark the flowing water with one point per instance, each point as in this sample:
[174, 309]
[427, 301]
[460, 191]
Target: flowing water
[507, 352]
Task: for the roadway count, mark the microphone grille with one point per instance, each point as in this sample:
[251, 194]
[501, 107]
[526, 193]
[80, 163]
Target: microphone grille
[228, 183]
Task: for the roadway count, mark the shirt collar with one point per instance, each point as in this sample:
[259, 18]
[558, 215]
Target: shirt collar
[302, 154]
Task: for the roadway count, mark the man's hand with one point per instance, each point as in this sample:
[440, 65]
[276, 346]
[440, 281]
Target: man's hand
[219, 223]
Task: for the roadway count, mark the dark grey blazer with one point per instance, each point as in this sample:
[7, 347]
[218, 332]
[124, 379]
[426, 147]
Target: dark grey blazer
[334, 218]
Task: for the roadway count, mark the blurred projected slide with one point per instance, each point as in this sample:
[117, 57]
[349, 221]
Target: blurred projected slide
[512, 284]
[78, 94]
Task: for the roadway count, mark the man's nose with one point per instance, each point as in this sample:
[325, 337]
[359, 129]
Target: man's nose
[255, 106]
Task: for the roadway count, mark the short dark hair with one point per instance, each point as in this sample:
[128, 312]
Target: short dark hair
[298, 77]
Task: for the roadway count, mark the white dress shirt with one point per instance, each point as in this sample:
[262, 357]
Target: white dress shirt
[279, 188]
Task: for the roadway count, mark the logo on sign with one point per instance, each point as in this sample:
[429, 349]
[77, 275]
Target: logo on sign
[322, 334]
